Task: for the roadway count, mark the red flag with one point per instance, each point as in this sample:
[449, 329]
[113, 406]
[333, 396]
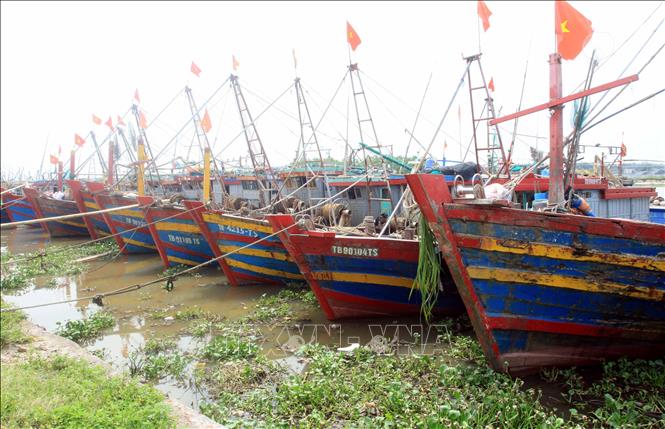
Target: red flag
[206, 125]
[143, 123]
[352, 37]
[54, 159]
[109, 123]
[195, 69]
[235, 63]
[120, 121]
[78, 141]
[96, 120]
[573, 30]
[484, 13]
[136, 95]
[491, 85]
[623, 150]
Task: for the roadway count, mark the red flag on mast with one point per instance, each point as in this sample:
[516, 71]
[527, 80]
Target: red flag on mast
[54, 159]
[78, 140]
[96, 119]
[195, 69]
[491, 85]
[136, 95]
[352, 37]
[573, 30]
[236, 64]
[120, 121]
[206, 125]
[109, 123]
[143, 123]
[484, 14]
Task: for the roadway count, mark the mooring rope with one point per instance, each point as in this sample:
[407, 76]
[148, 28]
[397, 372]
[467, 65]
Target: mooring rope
[169, 278]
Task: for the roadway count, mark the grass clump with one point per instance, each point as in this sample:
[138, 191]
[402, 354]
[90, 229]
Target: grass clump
[279, 308]
[86, 329]
[157, 359]
[10, 326]
[229, 347]
[19, 270]
[629, 393]
[65, 393]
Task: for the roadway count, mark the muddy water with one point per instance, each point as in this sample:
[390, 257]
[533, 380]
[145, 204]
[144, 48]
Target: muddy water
[210, 291]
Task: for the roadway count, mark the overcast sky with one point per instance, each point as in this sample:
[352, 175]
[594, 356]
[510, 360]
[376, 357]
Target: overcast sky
[63, 61]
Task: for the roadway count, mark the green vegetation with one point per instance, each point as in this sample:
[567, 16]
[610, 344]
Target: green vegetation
[19, 270]
[86, 329]
[10, 326]
[429, 269]
[157, 359]
[365, 390]
[628, 394]
[229, 347]
[279, 308]
[65, 393]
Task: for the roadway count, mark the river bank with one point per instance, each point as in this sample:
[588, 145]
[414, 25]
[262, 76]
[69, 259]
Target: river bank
[264, 356]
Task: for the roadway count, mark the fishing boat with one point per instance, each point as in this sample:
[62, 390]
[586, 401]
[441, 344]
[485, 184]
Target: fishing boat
[550, 288]
[360, 277]
[129, 226]
[175, 232]
[252, 261]
[97, 226]
[46, 206]
[18, 208]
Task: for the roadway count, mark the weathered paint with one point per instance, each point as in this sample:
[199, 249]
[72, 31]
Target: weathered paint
[355, 277]
[551, 289]
[177, 236]
[129, 226]
[46, 207]
[263, 262]
[19, 208]
[85, 202]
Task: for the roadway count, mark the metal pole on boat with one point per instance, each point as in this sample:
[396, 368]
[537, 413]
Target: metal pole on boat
[140, 171]
[72, 164]
[111, 169]
[60, 176]
[206, 174]
[555, 192]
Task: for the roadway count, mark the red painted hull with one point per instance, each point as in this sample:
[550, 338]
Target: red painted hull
[546, 289]
[360, 277]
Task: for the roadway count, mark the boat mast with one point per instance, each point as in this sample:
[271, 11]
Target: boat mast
[555, 192]
[367, 118]
[143, 138]
[311, 142]
[204, 145]
[262, 169]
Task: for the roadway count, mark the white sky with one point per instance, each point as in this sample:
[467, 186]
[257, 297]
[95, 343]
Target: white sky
[63, 61]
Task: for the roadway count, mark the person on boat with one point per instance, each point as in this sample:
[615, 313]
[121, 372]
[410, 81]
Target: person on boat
[57, 195]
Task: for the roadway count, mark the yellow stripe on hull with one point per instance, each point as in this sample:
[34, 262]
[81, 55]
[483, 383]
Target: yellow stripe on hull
[255, 252]
[129, 213]
[237, 223]
[565, 282]
[179, 227]
[91, 206]
[70, 223]
[363, 278]
[181, 261]
[568, 253]
[261, 270]
[138, 243]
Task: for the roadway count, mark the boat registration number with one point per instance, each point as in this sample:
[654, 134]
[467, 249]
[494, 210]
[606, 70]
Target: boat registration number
[370, 252]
